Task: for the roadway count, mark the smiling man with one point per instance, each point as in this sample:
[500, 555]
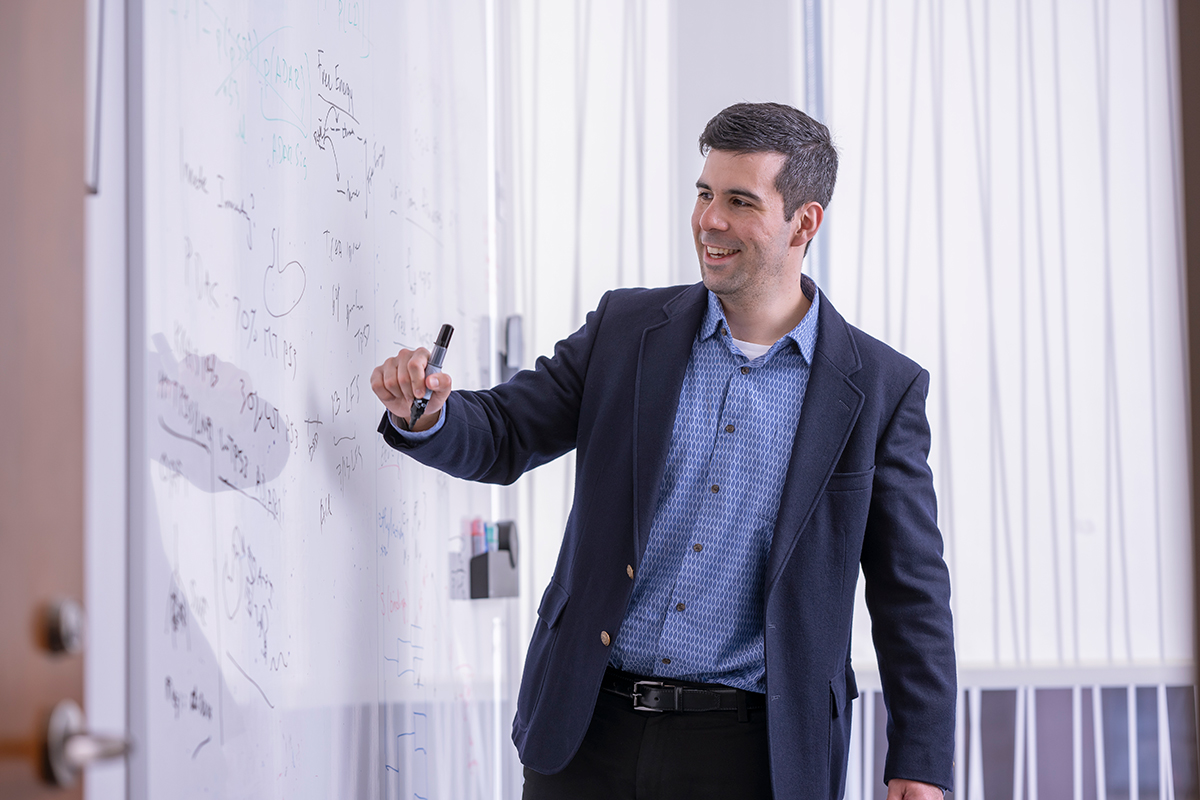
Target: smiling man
[742, 451]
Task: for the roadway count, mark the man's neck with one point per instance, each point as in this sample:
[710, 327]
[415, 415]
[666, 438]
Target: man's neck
[764, 320]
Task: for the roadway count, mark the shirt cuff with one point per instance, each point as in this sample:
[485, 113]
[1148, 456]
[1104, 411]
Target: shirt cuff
[416, 437]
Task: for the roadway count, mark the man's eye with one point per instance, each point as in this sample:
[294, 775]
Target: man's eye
[705, 196]
[737, 201]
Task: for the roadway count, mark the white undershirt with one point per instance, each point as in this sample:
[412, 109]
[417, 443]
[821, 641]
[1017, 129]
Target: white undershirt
[751, 350]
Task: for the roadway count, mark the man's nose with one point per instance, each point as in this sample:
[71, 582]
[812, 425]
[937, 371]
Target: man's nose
[711, 219]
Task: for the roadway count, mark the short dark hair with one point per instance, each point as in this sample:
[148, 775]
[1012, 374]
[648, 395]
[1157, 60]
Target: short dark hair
[810, 170]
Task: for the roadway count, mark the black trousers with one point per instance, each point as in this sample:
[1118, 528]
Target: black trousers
[650, 755]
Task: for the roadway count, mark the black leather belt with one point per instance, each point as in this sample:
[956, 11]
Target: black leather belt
[673, 695]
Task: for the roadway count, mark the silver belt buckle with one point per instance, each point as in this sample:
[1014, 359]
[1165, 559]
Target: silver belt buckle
[637, 695]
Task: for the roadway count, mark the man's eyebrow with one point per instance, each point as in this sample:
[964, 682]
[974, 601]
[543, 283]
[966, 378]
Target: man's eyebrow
[739, 192]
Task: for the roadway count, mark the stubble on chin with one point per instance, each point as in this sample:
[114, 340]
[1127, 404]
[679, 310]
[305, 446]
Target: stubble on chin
[712, 281]
[727, 291]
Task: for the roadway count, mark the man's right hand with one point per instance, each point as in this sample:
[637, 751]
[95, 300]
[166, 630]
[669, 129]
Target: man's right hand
[401, 380]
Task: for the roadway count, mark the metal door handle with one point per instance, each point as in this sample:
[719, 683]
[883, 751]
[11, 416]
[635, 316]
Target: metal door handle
[70, 747]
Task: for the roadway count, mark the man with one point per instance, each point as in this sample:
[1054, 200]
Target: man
[741, 451]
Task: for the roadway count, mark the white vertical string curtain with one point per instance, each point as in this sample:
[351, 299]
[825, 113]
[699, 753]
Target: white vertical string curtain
[589, 195]
[1008, 213]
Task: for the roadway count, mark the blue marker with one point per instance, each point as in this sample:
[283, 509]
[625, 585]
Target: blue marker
[432, 368]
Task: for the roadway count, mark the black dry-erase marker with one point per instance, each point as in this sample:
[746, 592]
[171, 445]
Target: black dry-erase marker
[432, 368]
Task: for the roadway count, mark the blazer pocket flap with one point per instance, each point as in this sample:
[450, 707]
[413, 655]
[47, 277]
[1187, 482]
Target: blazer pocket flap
[553, 603]
[842, 689]
[850, 481]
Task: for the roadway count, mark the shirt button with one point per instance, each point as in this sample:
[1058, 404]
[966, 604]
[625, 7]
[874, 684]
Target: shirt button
[629, 571]
[729, 429]
[697, 547]
[605, 639]
[666, 661]
[745, 370]
[680, 606]
[715, 488]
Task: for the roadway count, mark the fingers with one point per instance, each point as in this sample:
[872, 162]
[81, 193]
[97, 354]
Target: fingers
[391, 383]
[415, 370]
[439, 383]
[400, 380]
[899, 789]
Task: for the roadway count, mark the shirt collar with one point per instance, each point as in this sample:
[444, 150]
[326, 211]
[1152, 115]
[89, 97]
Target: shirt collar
[803, 336]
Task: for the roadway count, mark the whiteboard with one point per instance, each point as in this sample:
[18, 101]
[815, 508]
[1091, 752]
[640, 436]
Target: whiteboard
[309, 194]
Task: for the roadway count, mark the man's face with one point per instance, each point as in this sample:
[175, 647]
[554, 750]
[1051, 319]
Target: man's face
[747, 249]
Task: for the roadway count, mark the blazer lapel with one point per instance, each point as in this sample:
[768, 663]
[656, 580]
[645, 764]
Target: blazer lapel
[831, 406]
[662, 361]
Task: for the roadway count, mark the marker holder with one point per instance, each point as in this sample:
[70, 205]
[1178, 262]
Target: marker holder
[494, 573]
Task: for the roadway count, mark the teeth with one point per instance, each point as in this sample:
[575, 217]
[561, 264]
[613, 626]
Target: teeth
[717, 252]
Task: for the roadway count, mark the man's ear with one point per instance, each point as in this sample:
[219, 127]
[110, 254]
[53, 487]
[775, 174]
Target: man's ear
[806, 221]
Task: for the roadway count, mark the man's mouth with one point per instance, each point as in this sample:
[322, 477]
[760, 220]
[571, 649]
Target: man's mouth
[717, 253]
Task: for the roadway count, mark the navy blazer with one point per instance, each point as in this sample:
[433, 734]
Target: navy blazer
[858, 491]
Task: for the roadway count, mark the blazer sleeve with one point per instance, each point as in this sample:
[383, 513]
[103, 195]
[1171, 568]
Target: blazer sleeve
[495, 435]
[908, 596]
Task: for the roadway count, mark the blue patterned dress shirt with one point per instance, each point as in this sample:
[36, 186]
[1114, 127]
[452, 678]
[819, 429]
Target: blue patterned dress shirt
[696, 612]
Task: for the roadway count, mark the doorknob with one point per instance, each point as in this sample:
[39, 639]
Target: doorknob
[70, 747]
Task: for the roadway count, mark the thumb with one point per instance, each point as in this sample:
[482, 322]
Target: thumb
[439, 385]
